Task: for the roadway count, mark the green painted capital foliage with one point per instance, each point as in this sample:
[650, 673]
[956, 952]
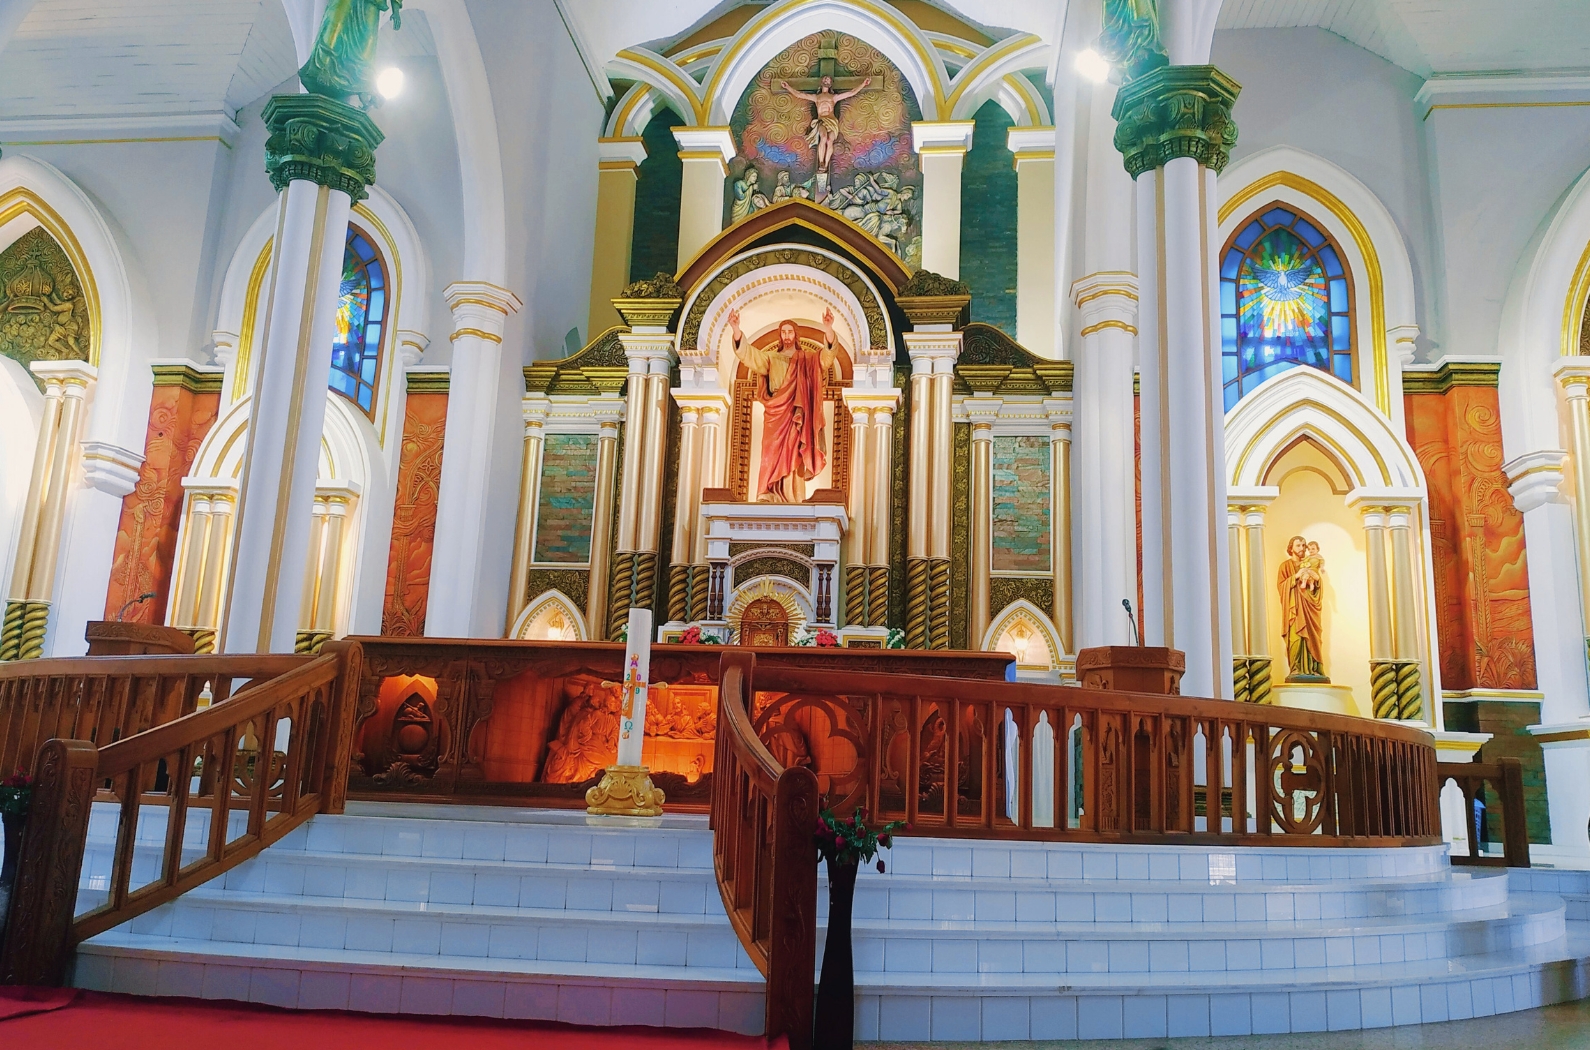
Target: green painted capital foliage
[321, 140]
[1176, 111]
[344, 53]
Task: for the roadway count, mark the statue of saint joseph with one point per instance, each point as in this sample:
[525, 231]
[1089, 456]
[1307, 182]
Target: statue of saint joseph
[789, 385]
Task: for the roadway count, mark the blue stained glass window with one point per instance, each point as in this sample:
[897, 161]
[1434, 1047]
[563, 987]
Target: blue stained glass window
[361, 317]
[1285, 300]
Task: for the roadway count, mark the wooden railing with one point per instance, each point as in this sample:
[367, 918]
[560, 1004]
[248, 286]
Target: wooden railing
[1004, 760]
[1506, 779]
[256, 765]
[103, 699]
[764, 818]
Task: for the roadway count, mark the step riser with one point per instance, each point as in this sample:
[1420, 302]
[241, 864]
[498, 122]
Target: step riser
[570, 1000]
[973, 954]
[893, 1017]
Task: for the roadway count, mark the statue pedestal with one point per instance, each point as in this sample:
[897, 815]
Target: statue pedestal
[625, 791]
[1132, 669]
[1316, 696]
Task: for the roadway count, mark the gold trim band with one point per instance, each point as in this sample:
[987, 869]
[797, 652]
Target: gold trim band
[478, 333]
[1122, 325]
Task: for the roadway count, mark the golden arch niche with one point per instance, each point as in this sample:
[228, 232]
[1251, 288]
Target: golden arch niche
[44, 314]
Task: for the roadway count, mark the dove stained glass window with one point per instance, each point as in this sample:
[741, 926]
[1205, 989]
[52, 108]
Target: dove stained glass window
[361, 317]
[1285, 300]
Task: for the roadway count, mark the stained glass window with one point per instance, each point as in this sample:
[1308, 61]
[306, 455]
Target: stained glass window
[1285, 300]
[361, 315]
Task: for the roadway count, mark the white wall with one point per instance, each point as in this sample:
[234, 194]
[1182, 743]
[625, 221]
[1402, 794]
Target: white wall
[1311, 89]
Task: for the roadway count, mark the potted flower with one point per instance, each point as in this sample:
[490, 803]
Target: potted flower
[694, 635]
[844, 845]
[825, 639]
[16, 794]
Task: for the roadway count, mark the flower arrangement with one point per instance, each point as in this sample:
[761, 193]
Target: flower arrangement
[852, 841]
[825, 639]
[896, 638]
[16, 793]
[802, 637]
[694, 635]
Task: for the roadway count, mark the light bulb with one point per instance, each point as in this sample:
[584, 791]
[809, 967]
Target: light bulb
[1092, 65]
[390, 82]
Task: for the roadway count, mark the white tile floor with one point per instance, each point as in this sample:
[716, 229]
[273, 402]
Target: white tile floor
[533, 914]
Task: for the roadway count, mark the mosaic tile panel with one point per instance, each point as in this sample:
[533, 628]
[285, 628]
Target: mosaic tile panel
[568, 491]
[1021, 504]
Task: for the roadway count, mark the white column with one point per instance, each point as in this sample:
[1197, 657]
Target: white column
[1036, 324]
[857, 545]
[1103, 501]
[195, 532]
[705, 154]
[1537, 490]
[983, 412]
[1239, 627]
[286, 420]
[1573, 376]
[687, 490]
[1258, 614]
[941, 147]
[1061, 533]
[535, 417]
[1185, 584]
[480, 313]
[109, 474]
[217, 562]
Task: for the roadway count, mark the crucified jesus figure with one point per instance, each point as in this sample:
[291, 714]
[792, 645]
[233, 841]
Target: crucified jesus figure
[825, 125]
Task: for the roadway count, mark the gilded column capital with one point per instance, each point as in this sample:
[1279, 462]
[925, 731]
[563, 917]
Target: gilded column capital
[320, 140]
[1176, 111]
[1573, 375]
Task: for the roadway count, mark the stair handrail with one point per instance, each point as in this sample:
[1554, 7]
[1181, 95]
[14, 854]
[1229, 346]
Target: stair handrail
[1285, 776]
[317, 697]
[1506, 778]
[764, 856]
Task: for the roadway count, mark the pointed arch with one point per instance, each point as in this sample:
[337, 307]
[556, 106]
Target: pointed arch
[551, 616]
[1362, 227]
[1023, 625]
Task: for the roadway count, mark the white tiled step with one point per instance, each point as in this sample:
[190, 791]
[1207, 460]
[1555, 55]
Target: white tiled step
[918, 948]
[896, 896]
[1242, 1004]
[323, 979]
[1571, 884]
[467, 931]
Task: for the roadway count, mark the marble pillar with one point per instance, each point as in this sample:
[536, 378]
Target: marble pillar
[480, 315]
[941, 149]
[1036, 322]
[616, 161]
[1174, 130]
[705, 154]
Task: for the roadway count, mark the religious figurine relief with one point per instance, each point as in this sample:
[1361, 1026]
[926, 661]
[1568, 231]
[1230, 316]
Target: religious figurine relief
[789, 386]
[587, 732]
[1301, 582]
[42, 313]
[829, 121]
[1130, 41]
[344, 54]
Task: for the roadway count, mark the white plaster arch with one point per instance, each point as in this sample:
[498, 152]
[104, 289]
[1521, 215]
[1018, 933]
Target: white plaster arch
[634, 111]
[351, 465]
[408, 322]
[1023, 611]
[540, 608]
[665, 80]
[1540, 321]
[989, 76]
[767, 283]
[1371, 244]
[1306, 402]
[774, 29]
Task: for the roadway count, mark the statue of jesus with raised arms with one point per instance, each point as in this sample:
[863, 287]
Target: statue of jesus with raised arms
[789, 385]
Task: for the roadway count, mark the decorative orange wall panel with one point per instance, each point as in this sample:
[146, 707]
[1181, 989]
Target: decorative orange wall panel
[1477, 540]
[146, 542]
[408, 570]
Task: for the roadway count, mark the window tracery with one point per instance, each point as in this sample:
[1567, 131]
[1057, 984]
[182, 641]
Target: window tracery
[1285, 300]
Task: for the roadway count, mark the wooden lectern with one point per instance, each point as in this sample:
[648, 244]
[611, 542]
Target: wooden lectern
[1132, 669]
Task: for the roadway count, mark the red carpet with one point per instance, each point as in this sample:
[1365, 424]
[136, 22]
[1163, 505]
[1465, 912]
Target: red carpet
[56, 1019]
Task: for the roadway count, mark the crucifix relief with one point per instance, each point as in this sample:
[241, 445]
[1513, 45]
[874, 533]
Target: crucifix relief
[825, 89]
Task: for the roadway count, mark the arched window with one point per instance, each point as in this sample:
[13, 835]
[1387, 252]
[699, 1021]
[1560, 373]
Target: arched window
[1285, 300]
[361, 316]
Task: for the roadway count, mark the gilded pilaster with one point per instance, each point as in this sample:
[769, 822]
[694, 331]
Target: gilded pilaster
[982, 412]
[1573, 375]
[1257, 616]
[535, 415]
[602, 511]
[1060, 531]
[1410, 695]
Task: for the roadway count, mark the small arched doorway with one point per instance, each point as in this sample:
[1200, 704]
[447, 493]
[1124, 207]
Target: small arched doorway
[764, 622]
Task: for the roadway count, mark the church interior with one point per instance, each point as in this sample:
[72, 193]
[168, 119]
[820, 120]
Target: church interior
[1122, 466]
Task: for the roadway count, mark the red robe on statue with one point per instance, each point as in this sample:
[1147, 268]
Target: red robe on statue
[793, 431]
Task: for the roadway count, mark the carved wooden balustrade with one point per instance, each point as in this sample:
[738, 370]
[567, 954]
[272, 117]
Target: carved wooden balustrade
[103, 699]
[226, 782]
[1506, 781]
[1006, 760]
[764, 815]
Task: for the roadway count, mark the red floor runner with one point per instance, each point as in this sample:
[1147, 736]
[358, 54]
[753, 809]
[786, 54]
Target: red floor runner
[93, 1020]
